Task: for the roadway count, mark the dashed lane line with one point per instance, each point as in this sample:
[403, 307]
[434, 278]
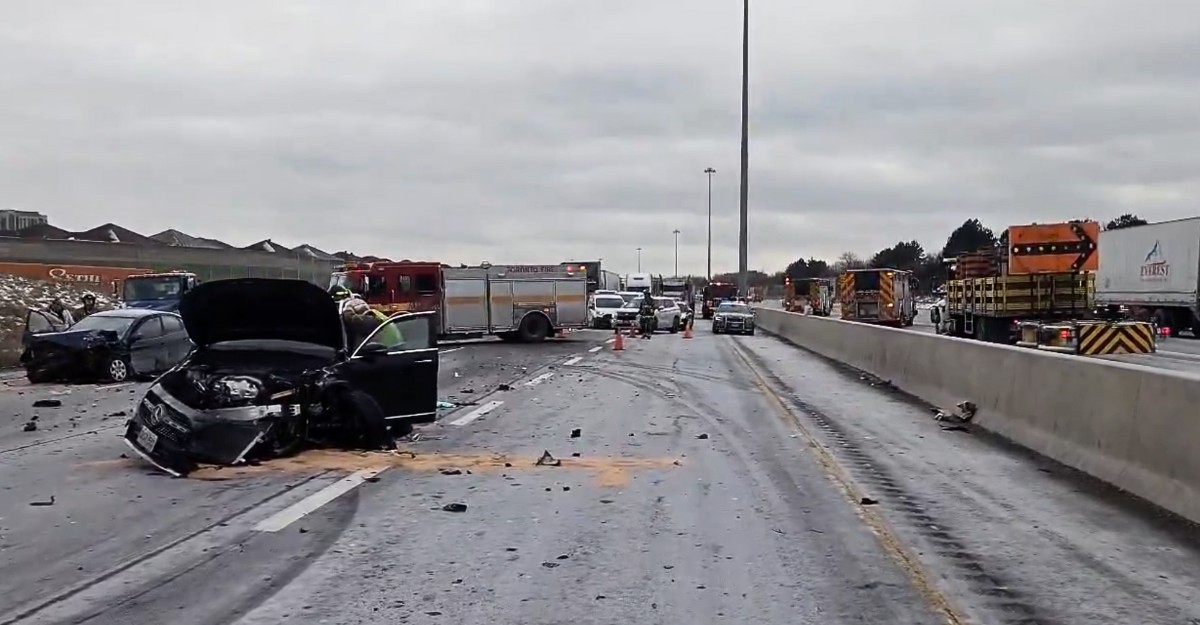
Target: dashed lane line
[572, 361]
[540, 379]
[596, 349]
[476, 413]
[280, 520]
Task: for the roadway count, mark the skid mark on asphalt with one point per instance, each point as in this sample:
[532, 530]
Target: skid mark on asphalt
[853, 465]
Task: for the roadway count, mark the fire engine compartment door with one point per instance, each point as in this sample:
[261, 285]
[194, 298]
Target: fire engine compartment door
[531, 295]
[500, 305]
[570, 299]
[465, 305]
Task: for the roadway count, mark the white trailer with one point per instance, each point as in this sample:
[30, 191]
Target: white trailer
[1154, 271]
[640, 282]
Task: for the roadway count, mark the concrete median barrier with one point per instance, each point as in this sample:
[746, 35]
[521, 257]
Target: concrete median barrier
[1132, 426]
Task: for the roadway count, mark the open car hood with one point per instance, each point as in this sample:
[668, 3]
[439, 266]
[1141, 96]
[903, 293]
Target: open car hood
[261, 309]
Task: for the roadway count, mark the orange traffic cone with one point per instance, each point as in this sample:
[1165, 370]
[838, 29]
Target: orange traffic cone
[618, 341]
[687, 330]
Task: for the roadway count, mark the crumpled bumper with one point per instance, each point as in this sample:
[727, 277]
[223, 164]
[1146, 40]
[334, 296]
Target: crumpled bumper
[176, 438]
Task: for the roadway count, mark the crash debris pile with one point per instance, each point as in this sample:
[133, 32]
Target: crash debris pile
[18, 295]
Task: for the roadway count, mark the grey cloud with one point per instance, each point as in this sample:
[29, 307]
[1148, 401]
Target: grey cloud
[539, 130]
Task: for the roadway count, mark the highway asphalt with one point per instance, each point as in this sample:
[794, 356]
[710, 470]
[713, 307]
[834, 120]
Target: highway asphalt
[709, 480]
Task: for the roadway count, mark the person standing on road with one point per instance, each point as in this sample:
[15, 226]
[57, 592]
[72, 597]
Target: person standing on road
[89, 306]
[61, 313]
[646, 315]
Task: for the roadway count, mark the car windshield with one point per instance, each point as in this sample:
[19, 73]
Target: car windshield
[104, 322]
[631, 298]
[161, 288]
[609, 302]
[345, 281]
[734, 308]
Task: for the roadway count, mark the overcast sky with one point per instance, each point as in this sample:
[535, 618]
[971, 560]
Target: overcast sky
[548, 130]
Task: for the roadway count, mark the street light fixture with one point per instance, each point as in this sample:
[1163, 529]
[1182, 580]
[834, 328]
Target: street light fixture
[676, 233]
[710, 171]
[743, 256]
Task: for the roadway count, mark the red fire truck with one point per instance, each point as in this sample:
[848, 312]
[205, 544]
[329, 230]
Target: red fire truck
[712, 295]
[514, 302]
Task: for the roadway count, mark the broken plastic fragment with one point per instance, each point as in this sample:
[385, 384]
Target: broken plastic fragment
[548, 460]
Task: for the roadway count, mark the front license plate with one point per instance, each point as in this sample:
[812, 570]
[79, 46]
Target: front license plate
[146, 439]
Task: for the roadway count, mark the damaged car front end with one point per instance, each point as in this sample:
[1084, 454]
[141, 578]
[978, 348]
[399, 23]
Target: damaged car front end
[260, 386]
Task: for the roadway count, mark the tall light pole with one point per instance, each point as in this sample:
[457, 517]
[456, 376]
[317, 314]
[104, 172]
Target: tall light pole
[743, 255]
[676, 233]
[639, 260]
[710, 171]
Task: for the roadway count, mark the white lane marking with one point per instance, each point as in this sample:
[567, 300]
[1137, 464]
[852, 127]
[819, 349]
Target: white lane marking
[476, 413]
[611, 340]
[572, 361]
[596, 349]
[448, 351]
[540, 379]
[313, 502]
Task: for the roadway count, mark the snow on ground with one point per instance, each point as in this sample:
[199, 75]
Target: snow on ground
[18, 295]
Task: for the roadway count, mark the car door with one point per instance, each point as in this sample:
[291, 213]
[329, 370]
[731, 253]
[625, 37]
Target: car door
[176, 340]
[397, 365]
[666, 313]
[40, 322]
[146, 345]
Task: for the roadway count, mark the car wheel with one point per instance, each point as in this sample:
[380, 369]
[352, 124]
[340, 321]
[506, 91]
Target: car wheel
[364, 420]
[675, 326]
[36, 376]
[751, 332]
[288, 436]
[118, 369]
[534, 329]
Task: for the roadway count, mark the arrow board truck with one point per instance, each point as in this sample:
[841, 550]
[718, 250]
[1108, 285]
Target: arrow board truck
[1154, 271]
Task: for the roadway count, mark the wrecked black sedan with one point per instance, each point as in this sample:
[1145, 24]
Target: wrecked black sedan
[272, 374]
[112, 345]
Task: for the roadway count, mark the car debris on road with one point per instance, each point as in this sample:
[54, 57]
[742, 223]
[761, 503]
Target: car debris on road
[261, 385]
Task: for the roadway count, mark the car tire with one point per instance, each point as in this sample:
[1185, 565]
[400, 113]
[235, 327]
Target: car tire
[35, 376]
[534, 329]
[118, 369]
[675, 326]
[367, 427]
[751, 332]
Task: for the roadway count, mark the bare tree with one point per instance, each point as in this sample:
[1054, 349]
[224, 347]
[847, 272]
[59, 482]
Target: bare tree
[848, 260]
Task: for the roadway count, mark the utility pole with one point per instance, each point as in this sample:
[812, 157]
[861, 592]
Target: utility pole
[743, 254]
[639, 260]
[710, 171]
[676, 233]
